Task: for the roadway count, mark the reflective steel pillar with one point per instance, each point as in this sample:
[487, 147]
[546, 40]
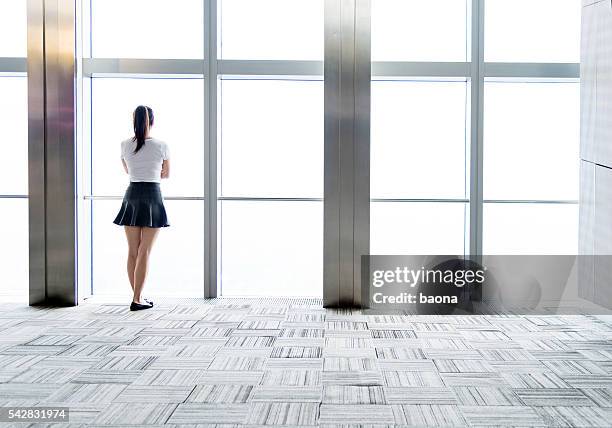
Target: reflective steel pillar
[347, 149]
[52, 142]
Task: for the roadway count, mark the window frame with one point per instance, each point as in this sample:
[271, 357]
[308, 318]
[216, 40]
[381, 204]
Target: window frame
[211, 68]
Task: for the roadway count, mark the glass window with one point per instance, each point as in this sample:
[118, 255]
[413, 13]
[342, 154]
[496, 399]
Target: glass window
[147, 29]
[14, 249]
[417, 228]
[412, 156]
[178, 105]
[418, 30]
[177, 260]
[14, 126]
[271, 138]
[271, 29]
[13, 28]
[271, 248]
[532, 31]
[530, 229]
[531, 141]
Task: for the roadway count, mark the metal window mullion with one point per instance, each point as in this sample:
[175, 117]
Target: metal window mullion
[145, 66]
[210, 149]
[291, 68]
[476, 129]
[532, 70]
[421, 200]
[18, 65]
[141, 66]
[270, 67]
[532, 201]
[420, 69]
[117, 197]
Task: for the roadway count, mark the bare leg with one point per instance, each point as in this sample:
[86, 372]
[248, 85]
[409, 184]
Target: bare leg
[133, 237]
[142, 260]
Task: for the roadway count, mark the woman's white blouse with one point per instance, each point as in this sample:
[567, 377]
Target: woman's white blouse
[145, 165]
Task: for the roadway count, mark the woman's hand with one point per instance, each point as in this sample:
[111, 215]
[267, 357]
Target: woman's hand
[165, 172]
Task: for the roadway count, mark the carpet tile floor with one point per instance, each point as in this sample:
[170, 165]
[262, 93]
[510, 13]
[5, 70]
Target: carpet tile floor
[290, 362]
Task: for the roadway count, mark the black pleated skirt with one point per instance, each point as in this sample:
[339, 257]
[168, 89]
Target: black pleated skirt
[143, 206]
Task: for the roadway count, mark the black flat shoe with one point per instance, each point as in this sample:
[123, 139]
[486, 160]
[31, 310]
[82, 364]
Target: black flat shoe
[150, 302]
[138, 307]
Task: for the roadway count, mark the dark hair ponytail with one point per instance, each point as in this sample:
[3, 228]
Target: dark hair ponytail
[143, 120]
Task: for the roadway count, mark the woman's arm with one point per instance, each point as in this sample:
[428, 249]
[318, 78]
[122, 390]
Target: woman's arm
[165, 172]
[125, 166]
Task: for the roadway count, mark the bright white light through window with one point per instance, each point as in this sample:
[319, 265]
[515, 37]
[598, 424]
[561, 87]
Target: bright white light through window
[271, 248]
[412, 156]
[530, 229]
[271, 146]
[14, 126]
[14, 249]
[13, 28]
[271, 138]
[147, 29]
[531, 141]
[271, 29]
[532, 30]
[417, 228]
[419, 30]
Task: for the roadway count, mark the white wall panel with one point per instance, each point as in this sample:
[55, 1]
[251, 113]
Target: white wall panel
[603, 122]
[603, 235]
[596, 150]
[588, 82]
[585, 241]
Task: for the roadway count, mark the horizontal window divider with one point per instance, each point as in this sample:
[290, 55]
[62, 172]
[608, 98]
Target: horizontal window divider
[287, 199]
[13, 65]
[420, 69]
[166, 198]
[531, 201]
[104, 66]
[13, 196]
[263, 199]
[532, 70]
[421, 200]
[270, 68]
[462, 69]
[93, 67]
[399, 69]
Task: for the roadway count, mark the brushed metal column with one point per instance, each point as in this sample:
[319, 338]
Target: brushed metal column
[347, 149]
[36, 150]
[361, 152]
[52, 100]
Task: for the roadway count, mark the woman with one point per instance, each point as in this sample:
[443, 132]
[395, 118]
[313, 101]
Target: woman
[142, 212]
